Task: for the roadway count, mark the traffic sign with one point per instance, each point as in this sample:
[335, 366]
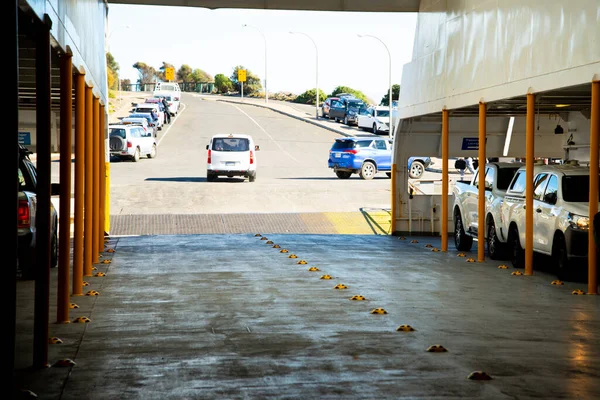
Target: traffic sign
[241, 75]
[170, 73]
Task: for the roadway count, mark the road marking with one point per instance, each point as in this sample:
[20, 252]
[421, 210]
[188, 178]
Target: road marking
[267, 133]
[173, 119]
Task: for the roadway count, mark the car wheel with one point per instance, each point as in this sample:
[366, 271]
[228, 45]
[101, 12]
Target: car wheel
[346, 121]
[517, 254]
[252, 177]
[416, 169]
[368, 170]
[374, 129]
[152, 153]
[494, 246]
[343, 174]
[561, 261]
[462, 241]
[136, 155]
[211, 177]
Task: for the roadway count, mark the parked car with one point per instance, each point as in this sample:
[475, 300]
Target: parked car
[130, 142]
[173, 98]
[560, 216]
[375, 119]
[326, 105]
[231, 155]
[149, 108]
[365, 156]
[143, 121]
[498, 176]
[26, 222]
[346, 109]
[148, 117]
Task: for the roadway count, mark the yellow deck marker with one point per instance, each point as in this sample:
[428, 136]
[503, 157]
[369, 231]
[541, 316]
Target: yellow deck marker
[516, 273]
[405, 328]
[435, 249]
[264, 238]
[401, 238]
[461, 255]
[436, 348]
[257, 235]
[557, 282]
[54, 340]
[378, 311]
[326, 277]
[428, 245]
[276, 246]
[82, 320]
[283, 251]
[292, 256]
[302, 262]
[578, 291]
[105, 261]
[502, 266]
[340, 286]
[312, 269]
[479, 376]
[358, 297]
[470, 260]
[92, 293]
[269, 242]
[414, 241]
[73, 305]
[99, 274]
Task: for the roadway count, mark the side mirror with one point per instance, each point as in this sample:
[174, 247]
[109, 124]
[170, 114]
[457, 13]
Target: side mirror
[550, 198]
[256, 148]
[206, 147]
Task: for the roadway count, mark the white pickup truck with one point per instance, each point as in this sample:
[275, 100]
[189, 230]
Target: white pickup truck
[561, 222]
[498, 176]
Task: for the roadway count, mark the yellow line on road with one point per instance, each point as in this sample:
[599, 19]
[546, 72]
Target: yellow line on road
[360, 223]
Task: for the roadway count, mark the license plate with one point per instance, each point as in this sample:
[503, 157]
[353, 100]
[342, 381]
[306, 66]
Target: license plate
[230, 163]
[337, 155]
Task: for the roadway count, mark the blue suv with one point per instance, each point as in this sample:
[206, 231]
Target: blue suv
[367, 156]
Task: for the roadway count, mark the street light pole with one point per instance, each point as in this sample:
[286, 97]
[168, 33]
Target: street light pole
[390, 81]
[265, 40]
[316, 71]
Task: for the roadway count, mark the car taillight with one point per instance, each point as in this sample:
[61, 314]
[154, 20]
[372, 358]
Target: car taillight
[251, 157]
[351, 151]
[209, 159]
[129, 144]
[24, 219]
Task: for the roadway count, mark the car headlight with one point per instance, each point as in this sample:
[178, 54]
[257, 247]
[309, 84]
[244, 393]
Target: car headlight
[351, 112]
[578, 221]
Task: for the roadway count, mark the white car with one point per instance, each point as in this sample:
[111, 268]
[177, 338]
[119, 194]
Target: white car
[173, 98]
[146, 108]
[561, 222]
[139, 121]
[131, 141]
[375, 119]
[231, 155]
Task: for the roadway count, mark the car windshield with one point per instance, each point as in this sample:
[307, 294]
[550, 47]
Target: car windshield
[118, 132]
[576, 188]
[363, 111]
[145, 116]
[355, 103]
[144, 109]
[383, 113]
[230, 144]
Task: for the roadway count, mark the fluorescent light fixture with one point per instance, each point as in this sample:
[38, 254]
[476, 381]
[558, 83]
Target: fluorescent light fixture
[561, 105]
[511, 123]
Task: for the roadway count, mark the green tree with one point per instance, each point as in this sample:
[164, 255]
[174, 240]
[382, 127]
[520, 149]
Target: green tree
[223, 84]
[309, 97]
[184, 73]
[252, 84]
[146, 73]
[385, 100]
[199, 76]
[162, 70]
[357, 93]
[112, 72]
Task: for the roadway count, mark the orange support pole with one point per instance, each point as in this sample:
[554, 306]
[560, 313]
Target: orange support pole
[445, 133]
[593, 208]
[96, 183]
[481, 191]
[529, 160]
[64, 220]
[80, 94]
[102, 165]
[89, 182]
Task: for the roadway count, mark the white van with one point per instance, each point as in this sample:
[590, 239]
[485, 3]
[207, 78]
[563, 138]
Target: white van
[172, 98]
[231, 155]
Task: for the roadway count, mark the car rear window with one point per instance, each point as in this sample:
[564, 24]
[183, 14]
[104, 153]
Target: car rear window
[117, 132]
[350, 144]
[355, 103]
[231, 144]
[144, 109]
[505, 176]
[576, 188]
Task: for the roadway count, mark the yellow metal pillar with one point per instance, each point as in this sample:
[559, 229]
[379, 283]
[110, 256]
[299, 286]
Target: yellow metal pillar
[64, 220]
[481, 192]
[80, 98]
[102, 166]
[593, 208]
[89, 182]
[529, 160]
[445, 133]
[96, 183]
[394, 200]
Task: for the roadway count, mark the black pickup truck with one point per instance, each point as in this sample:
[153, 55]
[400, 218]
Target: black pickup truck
[26, 227]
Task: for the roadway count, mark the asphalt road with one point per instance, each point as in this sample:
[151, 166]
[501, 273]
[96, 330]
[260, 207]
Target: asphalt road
[292, 174]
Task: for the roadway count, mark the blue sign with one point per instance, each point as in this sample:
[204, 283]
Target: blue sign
[470, 143]
[25, 138]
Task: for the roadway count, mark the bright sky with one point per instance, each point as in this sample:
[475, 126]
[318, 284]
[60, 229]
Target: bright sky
[215, 41]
